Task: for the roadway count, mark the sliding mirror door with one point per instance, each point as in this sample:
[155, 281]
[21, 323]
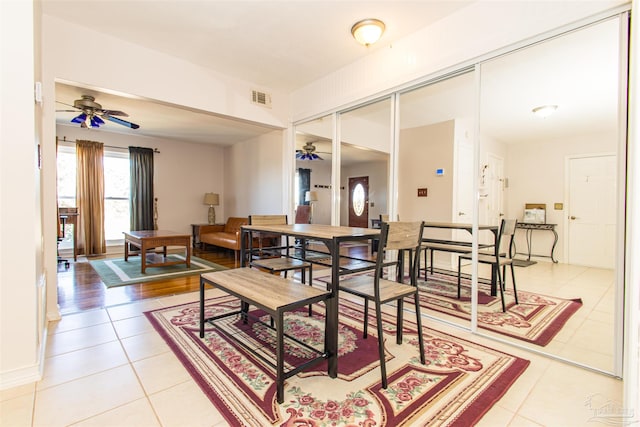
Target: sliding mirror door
[365, 135]
[312, 181]
[435, 184]
[559, 172]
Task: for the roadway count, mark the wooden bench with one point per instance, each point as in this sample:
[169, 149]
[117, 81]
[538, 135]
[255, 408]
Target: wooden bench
[274, 295]
[433, 245]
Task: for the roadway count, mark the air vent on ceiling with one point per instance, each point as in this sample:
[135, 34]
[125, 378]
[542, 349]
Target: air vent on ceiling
[261, 98]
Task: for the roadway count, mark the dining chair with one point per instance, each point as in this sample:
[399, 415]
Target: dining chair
[497, 259]
[395, 239]
[275, 258]
[303, 214]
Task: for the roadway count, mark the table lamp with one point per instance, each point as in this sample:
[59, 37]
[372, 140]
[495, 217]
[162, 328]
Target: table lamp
[211, 199]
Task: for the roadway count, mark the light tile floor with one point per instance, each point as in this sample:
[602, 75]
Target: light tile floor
[108, 367]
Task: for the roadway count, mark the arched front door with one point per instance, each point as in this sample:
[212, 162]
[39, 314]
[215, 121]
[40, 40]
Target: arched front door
[359, 201]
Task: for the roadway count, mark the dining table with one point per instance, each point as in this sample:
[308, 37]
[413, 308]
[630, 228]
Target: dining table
[333, 237]
[494, 229]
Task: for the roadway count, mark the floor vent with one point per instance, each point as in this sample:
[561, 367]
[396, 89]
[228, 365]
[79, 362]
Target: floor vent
[261, 98]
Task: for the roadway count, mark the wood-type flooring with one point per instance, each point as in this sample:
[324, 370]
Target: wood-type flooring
[80, 287]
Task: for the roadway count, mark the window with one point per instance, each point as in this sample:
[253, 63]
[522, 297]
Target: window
[116, 191]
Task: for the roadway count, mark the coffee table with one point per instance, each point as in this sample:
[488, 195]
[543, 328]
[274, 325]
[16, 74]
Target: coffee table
[151, 239]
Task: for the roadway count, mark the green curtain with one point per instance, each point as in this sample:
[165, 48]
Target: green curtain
[141, 192]
[304, 177]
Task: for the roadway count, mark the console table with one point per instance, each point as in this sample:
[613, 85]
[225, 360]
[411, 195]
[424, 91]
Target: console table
[529, 228]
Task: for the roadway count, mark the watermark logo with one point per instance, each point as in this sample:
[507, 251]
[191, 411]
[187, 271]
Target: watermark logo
[609, 412]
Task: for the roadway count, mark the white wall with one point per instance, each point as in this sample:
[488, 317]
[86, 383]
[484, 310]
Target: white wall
[21, 273]
[253, 179]
[422, 150]
[183, 172]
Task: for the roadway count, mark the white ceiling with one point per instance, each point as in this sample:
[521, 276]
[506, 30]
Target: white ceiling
[296, 42]
[274, 44]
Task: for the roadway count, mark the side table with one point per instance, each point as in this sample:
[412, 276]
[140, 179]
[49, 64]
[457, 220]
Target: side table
[195, 233]
[529, 229]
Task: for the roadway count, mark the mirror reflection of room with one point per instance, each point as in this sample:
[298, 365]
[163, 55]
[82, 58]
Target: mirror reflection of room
[364, 163]
[557, 176]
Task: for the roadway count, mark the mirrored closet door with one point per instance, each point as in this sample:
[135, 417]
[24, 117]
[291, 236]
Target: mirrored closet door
[435, 185]
[365, 138]
[551, 151]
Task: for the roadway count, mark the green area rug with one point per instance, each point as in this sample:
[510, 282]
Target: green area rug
[118, 272]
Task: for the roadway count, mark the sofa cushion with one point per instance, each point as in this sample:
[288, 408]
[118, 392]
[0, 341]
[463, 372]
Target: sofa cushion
[234, 223]
[222, 239]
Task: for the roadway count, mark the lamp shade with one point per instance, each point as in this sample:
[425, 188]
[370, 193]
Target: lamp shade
[311, 196]
[211, 199]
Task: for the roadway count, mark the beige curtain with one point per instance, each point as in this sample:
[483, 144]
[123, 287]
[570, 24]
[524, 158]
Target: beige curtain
[90, 197]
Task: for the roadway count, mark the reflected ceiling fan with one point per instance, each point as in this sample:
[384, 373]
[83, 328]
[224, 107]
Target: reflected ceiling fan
[308, 152]
[93, 115]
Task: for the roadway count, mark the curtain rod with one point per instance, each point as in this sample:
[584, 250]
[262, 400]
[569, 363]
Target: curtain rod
[64, 139]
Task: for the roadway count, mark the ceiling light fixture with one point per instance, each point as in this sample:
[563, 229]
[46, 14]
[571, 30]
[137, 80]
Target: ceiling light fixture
[368, 31]
[544, 110]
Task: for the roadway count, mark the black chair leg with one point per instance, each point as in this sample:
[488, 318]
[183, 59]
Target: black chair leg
[383, 365]
[419, 325]
[310, 284]
[365, 327]
[513, 279]
[459, 273]
[501, 286]
[399, 321]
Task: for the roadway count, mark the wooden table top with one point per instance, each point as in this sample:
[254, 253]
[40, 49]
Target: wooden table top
[144, 234]
[315, 231]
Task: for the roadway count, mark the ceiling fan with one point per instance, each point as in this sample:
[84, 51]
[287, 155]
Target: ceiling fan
[308, 152]
[92, 113]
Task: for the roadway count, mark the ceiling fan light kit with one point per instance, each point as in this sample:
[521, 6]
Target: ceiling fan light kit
[307, 152]
[93, 115]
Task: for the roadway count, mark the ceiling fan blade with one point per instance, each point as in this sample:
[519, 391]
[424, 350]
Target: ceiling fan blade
[66, 111]
[122, 122]
[69, 105]
[114, 113]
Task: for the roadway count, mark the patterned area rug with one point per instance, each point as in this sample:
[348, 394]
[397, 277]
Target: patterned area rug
[118, 272]
[458, 385]
[536, 319]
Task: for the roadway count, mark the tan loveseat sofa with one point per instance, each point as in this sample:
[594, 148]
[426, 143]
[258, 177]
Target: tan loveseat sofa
[224, 235]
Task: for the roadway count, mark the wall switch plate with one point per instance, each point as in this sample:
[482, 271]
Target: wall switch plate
[422, 192]
[558, 206]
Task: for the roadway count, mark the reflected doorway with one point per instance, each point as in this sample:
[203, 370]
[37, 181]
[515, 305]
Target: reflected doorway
[359, 201]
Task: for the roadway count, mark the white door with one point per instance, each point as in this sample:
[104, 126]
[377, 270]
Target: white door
[494, 176]
[463, 209]
[592, 211]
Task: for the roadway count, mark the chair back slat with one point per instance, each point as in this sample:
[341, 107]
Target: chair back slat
[506, 234]
[403, 235]
[509, 227]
